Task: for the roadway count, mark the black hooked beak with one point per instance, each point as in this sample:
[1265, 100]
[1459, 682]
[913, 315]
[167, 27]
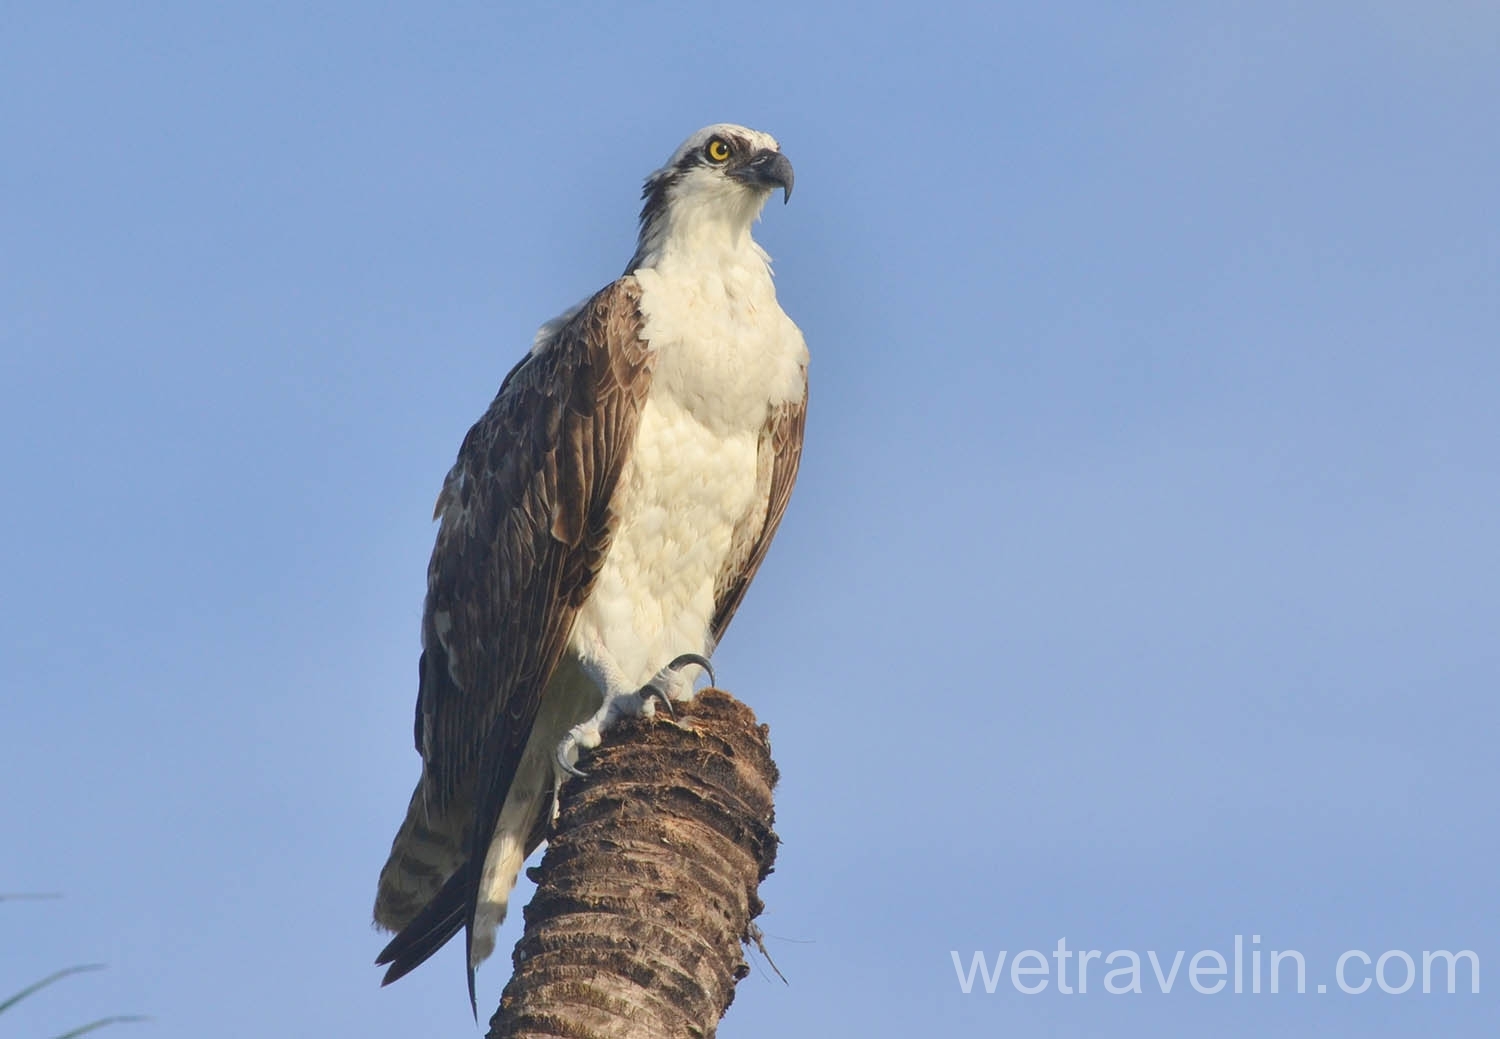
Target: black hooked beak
[767, 169]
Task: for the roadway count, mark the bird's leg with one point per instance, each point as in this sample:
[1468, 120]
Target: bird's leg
[666, 685]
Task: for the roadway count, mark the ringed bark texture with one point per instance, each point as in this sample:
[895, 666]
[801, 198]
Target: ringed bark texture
[647, 891]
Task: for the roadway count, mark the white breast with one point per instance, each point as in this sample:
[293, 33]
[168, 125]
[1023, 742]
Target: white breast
[723, 346]
[681, 494]
[724, 352]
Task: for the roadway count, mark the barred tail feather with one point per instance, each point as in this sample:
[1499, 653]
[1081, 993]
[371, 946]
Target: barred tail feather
[427, 851]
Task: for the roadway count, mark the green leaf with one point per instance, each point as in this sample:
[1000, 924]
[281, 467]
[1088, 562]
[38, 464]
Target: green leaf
[49, 979]
[102, 1022]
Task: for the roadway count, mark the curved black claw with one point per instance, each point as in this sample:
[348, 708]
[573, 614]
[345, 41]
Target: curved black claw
[693, 658]
[652, 691]
[568, 743]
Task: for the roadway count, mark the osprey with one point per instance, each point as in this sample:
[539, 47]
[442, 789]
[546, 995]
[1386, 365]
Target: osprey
[598, 531]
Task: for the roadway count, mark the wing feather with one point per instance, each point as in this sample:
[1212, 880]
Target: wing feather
[526, 523]
[779, 456]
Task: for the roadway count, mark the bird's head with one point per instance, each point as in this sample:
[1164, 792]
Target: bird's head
[714, 185]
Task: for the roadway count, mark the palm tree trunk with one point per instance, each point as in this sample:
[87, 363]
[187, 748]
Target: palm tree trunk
[647, 891]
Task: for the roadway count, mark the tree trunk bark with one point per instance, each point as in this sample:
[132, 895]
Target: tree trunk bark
[648, 886]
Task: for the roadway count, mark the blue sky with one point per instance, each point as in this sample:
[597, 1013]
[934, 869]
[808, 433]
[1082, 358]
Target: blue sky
[1140, 588]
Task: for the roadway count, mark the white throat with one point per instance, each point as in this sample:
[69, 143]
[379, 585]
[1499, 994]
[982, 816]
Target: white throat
[706, 225]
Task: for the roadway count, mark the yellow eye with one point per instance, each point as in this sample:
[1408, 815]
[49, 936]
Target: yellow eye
[717, 150]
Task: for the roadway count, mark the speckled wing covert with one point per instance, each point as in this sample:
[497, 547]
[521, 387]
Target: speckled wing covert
[526, 524]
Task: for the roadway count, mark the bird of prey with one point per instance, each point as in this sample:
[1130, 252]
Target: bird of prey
[598, 531]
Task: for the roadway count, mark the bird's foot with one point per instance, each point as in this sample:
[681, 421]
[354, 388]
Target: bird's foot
[666, 685]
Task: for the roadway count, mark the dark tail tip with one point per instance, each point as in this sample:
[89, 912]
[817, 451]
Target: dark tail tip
[428, 931]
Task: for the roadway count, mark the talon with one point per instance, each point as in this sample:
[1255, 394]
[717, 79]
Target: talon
[693, 658]
[650, 690]
[562, 758]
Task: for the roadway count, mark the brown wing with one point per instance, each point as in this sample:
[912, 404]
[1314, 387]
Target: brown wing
[780, 454]
[526, 523]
